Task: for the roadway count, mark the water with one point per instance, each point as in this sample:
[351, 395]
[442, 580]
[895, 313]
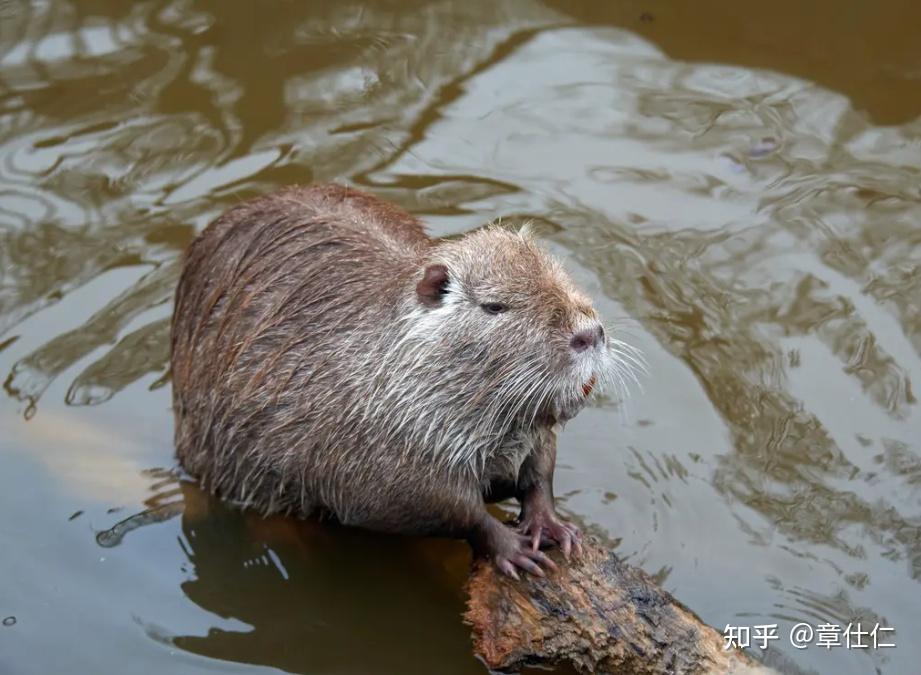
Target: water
[739, 184]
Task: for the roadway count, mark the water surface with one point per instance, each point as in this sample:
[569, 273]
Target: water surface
[738, 185]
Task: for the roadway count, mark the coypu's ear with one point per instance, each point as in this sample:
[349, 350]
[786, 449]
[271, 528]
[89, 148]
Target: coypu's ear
[433, 286]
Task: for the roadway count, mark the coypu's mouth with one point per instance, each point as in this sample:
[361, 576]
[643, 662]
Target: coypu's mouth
[568, 403]
[589, 386]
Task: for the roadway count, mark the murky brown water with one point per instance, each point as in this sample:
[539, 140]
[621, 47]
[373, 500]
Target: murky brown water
[743, 182]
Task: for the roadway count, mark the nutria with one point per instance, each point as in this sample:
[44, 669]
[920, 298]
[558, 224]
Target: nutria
[329, 356]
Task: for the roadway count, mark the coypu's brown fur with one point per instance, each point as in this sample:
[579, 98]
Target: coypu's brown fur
[327, 355]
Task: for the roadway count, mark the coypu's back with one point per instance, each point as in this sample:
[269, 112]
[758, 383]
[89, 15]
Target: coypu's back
[275, 298]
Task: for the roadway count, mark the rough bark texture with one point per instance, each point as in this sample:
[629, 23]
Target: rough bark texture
[598, 614]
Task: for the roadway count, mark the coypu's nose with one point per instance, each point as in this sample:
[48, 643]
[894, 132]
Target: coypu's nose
[588, 337]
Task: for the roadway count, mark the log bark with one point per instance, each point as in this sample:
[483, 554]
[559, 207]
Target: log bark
[596, 613]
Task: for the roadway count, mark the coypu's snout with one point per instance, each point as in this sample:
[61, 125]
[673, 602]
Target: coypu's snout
[590, 361]
[598, 362]
[587, 338]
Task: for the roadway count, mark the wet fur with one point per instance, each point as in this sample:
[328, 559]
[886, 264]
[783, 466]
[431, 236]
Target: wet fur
[308, 376]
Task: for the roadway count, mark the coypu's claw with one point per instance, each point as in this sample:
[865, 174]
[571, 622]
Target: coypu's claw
[510, 551]
[545, 528]
[524, 557]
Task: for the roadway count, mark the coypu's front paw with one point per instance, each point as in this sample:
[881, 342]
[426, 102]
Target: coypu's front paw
[517, 552]
[544, 527]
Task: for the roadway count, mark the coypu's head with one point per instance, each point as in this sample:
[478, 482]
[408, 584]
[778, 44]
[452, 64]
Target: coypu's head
[532, 346]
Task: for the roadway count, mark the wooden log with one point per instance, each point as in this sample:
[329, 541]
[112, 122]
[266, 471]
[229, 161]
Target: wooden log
[596, 613]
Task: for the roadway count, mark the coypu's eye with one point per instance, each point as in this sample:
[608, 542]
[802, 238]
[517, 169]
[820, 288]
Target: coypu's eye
[493, 307]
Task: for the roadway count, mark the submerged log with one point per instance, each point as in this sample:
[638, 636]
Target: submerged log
[596, 613]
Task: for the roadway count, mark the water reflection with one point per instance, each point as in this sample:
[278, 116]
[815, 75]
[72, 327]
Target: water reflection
[759, 224]
[309, 597]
